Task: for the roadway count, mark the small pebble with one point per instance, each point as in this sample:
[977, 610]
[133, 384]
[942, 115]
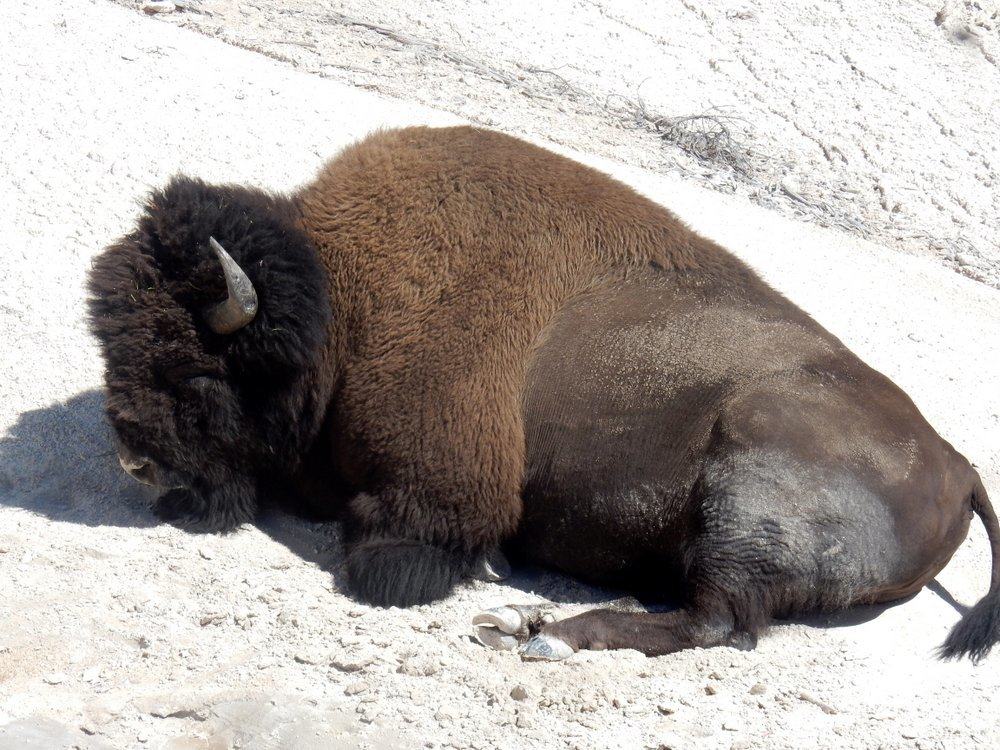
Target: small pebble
[711, 690]
[732, 724]
[54, 678]
[351, 663]
[446, 713]
[808, 698]
[520, 693]
[158, 6]
[759, 689]
[418, 667]
[356, 687]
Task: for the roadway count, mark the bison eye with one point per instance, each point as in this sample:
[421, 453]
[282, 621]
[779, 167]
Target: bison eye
[201, 382]
[189, 373]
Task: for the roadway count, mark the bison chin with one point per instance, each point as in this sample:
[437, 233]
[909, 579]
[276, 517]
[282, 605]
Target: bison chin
[204, 513]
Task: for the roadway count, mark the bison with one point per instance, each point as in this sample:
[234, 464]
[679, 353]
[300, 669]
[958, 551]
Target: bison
[452, 340]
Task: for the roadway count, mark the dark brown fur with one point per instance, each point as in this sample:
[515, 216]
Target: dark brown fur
[694, 436]
[448, 251]
[455, 260]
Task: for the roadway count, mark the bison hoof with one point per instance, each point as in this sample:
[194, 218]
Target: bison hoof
[546, 648]
[491, 567]
[516, 619]
[506, 628]
[496, 639]
[504, 619]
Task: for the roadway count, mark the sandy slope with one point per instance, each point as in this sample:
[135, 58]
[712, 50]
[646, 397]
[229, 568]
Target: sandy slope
[876, 117]
[115, 631]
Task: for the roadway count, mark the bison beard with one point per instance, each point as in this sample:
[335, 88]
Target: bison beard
[458, 332]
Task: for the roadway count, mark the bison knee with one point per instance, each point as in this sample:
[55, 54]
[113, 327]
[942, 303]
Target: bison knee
[402, 573]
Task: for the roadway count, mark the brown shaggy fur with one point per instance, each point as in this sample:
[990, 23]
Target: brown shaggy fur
[448, 251]
[467, 277]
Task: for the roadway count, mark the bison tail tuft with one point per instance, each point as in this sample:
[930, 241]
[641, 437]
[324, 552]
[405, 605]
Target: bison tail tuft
[979, 630]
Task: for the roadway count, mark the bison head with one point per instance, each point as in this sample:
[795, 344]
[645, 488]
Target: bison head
[212, 317]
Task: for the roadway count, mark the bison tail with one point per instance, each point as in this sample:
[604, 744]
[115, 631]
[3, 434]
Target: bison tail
[979, 630]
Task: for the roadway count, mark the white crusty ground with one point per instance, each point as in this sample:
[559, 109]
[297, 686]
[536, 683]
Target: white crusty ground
[877, 117]
[118, 632]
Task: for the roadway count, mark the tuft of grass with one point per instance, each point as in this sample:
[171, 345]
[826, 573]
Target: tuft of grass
[711, 136]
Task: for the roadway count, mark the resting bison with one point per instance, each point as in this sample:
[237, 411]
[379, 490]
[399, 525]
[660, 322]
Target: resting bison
[452, 336]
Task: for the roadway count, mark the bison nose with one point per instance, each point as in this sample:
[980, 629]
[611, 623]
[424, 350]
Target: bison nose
[138, 467]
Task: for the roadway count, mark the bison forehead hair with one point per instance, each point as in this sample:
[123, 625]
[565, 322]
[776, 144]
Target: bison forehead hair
[208, 410]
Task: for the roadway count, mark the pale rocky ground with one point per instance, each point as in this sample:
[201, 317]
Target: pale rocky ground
[879, 118]
[116, 631]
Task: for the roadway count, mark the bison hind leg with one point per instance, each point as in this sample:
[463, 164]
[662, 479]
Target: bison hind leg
[547, 632]
[403, 573]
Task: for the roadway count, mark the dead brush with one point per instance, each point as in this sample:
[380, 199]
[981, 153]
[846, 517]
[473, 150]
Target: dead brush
[714, 136]
[709, 137]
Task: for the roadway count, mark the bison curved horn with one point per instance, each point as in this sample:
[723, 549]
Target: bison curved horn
[240, 305]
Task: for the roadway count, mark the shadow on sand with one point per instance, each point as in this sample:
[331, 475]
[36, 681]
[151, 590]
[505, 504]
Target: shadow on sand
[60, 462]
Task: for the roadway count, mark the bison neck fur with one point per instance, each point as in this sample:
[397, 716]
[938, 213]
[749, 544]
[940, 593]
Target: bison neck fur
[464, 339]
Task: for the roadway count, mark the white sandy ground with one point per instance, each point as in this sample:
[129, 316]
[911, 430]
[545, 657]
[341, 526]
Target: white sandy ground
[119, 632]
[878, 117]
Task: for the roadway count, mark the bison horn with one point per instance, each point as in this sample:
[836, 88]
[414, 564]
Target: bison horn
[240, 305]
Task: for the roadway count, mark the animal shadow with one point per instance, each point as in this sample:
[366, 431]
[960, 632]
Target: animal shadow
[59, 461]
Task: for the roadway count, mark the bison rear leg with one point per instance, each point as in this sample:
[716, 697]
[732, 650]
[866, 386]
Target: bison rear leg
[545, 631]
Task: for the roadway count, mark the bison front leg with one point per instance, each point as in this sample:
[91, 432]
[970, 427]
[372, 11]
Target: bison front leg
[442, 465]
[654, 634]
[402, 559]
